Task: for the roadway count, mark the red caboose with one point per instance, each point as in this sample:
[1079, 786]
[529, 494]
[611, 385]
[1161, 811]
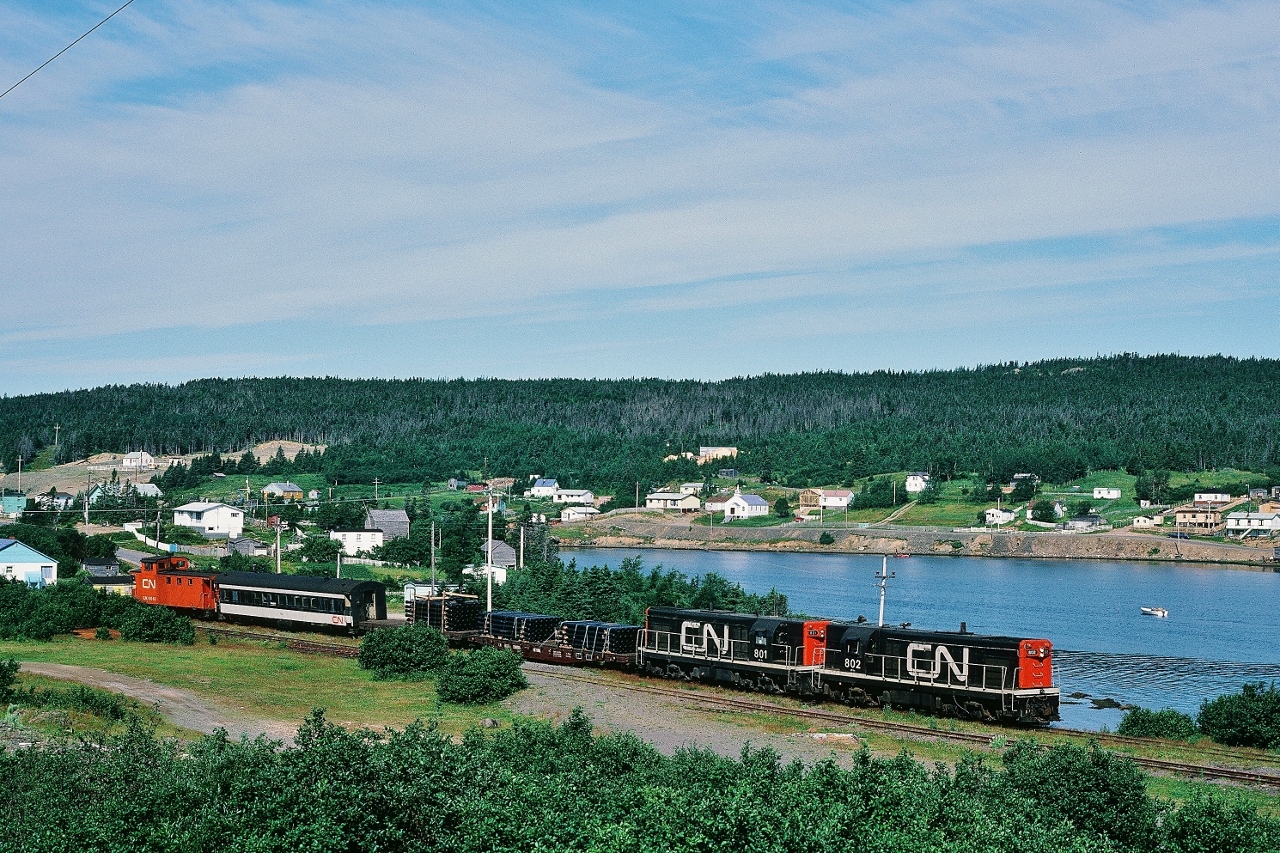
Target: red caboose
[171, 582]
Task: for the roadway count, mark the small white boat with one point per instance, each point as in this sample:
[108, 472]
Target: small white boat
[1154, 611]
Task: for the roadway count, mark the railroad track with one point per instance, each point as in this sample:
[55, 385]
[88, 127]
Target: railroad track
[709, 700]
[297, 644]
[734, 703]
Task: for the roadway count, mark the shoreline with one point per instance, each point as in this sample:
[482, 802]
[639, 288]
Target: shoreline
[924, 542]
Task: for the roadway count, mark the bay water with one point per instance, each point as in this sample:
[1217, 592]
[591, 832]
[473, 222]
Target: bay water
[1222, 629]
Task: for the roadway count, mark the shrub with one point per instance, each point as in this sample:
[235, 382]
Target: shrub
[78, 697]
[1211, 822]
[408, 652]
[1168, 724]
[1096, 790]
[826, 539]
[8, 672]
[482, 676]
[153, 624]
[1248, 718]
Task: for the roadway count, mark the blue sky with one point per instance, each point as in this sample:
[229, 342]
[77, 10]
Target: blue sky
[648, 189]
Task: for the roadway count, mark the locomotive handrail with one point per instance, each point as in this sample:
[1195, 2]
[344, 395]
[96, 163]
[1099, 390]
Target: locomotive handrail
[986, 675]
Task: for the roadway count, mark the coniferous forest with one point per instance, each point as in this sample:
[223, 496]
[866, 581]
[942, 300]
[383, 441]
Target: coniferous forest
[1057, 418]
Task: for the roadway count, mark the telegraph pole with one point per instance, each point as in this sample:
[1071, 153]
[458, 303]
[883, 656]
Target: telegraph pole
[433, 559]
[883, 581]
[488, 567]
[277, 549]
[376, 481]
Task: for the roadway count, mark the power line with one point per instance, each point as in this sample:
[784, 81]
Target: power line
[65, 49]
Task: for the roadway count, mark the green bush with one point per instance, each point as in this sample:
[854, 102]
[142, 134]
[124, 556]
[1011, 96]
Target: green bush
[826, 539]
[8, 672]
[482, 676]
[1168, 724]
[78, 697]
[1097, 791]
[1248, 718]
[407, 652]
[38, 614]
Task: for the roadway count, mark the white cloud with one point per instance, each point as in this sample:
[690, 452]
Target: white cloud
[382, 165]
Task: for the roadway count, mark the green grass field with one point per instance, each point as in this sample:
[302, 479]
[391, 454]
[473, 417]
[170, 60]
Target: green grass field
[264, 681]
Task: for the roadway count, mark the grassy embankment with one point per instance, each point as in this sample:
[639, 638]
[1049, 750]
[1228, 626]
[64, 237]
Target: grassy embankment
[264, 681]
[267, 682]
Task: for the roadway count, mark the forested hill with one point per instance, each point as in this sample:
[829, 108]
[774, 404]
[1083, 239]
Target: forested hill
[1056, 418]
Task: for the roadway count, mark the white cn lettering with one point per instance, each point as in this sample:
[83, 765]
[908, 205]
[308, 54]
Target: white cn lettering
[933, 668]
[701, 636]
[148, 583]
[689, 636]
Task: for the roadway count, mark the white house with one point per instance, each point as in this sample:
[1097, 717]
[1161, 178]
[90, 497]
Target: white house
[1105, 493]
[690, 488]
[1145, 522]
[214, 520]
[917, 482]
[1253, 522]
[148, 490]
[826, 498]
[574, 496]
[356, 540]
[138, 460]
[745, 506]
[578, 513]
[1000, 516]
[673, 500]
[1211, 498]
[21, 562]
[544, 488]
[715, 504]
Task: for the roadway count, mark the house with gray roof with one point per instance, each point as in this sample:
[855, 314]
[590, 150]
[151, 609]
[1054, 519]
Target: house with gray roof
[394, 523]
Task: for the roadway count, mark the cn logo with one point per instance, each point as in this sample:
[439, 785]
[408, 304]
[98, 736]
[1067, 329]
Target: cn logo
[920, 665]
[148, 583]
[700, 637]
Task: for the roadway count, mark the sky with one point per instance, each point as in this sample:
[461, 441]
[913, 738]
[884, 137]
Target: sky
[631, 189]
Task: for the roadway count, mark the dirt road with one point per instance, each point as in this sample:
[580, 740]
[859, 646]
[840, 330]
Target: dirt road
[180, 707]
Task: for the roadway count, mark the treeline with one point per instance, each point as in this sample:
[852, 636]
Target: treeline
[1057, 418]
[535, 786]
[40, 614]
[624, 594]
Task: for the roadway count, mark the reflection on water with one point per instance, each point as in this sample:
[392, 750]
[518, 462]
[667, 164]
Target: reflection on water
[1221, 631]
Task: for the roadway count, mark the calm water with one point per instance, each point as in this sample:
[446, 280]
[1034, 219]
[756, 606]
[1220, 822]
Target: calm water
[1222, 628]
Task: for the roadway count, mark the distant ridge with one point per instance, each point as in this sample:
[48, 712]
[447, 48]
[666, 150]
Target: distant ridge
[1177, 412]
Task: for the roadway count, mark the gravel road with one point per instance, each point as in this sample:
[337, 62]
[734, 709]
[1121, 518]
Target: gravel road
[180, 707]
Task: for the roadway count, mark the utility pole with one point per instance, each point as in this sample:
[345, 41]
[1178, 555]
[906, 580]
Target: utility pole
[488, 560]
[637, 492]
[20, 478]
[883, 581]
[522, 544]
[277, 549]
[338, 571]
[433, 559]
[88, 481]
[57, 428]
[376, 481]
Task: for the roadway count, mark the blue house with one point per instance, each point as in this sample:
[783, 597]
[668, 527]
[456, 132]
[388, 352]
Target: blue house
[23, 563]
[12, 504]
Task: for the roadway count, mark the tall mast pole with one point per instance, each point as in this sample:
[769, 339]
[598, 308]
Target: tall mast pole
[883, 579]
[488, 560]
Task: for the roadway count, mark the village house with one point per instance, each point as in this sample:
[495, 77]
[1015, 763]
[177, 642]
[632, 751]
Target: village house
[113, 584]
[501, 554]
[138, 460]
[690, 488]
[917, 482]
[716, 503]
[825, 498]
[502, 482]
[1211, 499]
[282, 491]
[745, 506]
[249, 547]
[101, 567]
[1106, 493]
[148, 490]
[454, 484]
[574, 496]
[544, 488]
[394, 523]
[13, 505]
[999, 516]
[356, 540]
[578, 513]
[1201, 518]
[20, 562]
[212, 520]
[1145, 522]
[727, 473]
[673, 500]
[1244, 523]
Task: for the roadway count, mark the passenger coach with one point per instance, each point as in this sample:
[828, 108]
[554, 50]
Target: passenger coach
[332, 603]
